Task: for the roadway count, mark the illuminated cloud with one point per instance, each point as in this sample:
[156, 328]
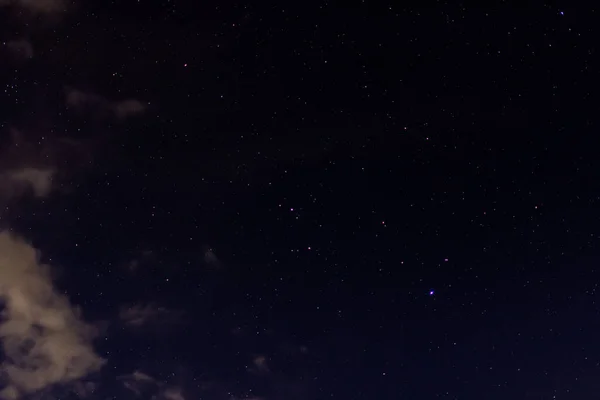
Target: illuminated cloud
[44, 339]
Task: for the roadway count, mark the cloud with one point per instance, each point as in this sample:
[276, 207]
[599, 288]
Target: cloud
[32, 163]
[138, 382]
[172, 394]
[39, 180]
[134, 264]
[142, 384]
[79, 99]
[260, 365]
[43, 6]
[91, 102]
[37, 6]
[44, 339]
[142, 377]
[21, 48]
[83, 389]
[211, 259]
[125, 108]
[247, 397]
[138, 315]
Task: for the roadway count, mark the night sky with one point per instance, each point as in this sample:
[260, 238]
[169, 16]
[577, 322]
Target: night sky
[206, 200]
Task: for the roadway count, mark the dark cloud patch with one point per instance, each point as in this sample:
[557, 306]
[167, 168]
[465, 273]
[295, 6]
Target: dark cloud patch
[37, 7]
[101, 107]
[21, 49]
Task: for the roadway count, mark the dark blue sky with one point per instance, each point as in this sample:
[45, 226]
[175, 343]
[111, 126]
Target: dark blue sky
[242, 201]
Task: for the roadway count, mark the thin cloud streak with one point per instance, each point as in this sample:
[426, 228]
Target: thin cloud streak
[39, 7]
[90, 102]
[138, 315]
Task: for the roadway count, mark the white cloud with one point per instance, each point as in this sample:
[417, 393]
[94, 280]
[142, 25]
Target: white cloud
[44, 339]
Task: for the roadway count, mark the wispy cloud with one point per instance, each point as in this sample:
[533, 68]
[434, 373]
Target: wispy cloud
[211, 259]
[260, 365]
[31, 164]
[37, 6]
[142, 384]
[44, 338]
[125, 108]
[172, 394]
[138, 382]
[15, 182]
[21, 48]
[137, 262]
[83, 388]
[139, 315]
[85, 101]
